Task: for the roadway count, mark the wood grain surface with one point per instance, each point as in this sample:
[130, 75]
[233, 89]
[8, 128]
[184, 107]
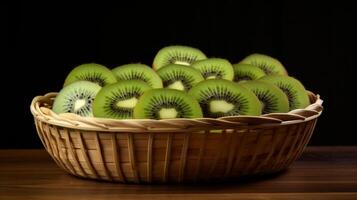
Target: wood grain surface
[321, 173]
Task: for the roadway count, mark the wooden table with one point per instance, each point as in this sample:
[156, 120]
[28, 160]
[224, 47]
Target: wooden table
[321, 173]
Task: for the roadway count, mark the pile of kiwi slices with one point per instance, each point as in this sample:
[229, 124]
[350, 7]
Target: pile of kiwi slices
[182, 83]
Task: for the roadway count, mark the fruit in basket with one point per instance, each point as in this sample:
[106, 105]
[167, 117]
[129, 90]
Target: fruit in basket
[92, 72]
[272, 98]
[294, 90]
[246, 72]
[219, 97]
[117, 101]
[215, 68]
[76, 98]
[257, 85]
[269, 64]
[179, 77]
[182, 55]
[166, 104]
[138, 72]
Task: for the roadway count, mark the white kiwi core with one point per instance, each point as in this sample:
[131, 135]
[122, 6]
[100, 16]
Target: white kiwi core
[79, 104]
[179, 62]
[177, 85]
[211, 77]
[167, 113]
[127, 103]
[220, 106]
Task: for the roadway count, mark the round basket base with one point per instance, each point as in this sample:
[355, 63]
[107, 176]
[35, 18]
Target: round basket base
[198, 150]
[175, 157]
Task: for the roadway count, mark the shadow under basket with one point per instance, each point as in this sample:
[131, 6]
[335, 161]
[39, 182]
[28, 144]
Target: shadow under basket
[174, 150]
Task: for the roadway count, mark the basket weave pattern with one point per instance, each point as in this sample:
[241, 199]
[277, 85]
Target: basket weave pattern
[177, 150]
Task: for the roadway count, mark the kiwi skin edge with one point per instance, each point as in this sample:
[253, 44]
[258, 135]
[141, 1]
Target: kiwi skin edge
[177, 54]
[92, 72]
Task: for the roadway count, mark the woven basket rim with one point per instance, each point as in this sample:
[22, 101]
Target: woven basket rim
[41, 110]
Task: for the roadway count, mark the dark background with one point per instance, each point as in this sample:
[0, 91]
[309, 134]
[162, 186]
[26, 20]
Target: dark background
[43, 42]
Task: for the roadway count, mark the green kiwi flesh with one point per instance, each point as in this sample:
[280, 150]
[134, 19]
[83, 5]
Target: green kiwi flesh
[294, 90]
[215, 68]
[92, 72]
[246, 72]
[76, 98]
[166, 104]
[138, 72]
[117, 101]
[179, 77]
[268, 64]
[271, 97]
[219, 97]
[182, 55]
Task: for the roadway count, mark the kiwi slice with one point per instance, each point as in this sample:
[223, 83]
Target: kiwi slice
[118, 100]
[215, 68]
[269, 64]
[138, 72]
[92, 72]
[182, 55]
[219, 97]
[179, 77]
[245, 72]
[272, 98]
[166, 104]
[294, 90]
[76, 98]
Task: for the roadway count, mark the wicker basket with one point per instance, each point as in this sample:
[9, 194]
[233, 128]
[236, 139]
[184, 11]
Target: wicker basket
[176, 150]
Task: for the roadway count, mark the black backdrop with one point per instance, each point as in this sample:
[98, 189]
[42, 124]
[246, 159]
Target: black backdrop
[43, 42]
